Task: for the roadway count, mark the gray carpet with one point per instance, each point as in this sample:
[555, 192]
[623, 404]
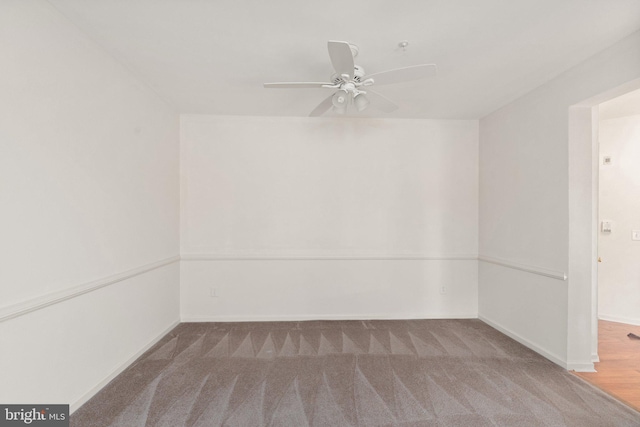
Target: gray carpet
[347, 373]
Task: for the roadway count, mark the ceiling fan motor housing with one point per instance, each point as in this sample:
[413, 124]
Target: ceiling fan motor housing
[358, 74]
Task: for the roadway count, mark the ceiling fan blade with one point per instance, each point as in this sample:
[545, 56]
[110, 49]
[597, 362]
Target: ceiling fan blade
[381, 102]
[322, 108]
[295, 84]
[341, 57]
[400, 75]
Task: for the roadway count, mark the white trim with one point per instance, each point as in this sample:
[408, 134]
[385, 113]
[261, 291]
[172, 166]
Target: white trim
[552, 357]
[88, 395]
[618, 319]
[311, 257]
[304, 317]
[581, 366]
[15, 310]
[560, 275]
[595, 207]
[581, 292]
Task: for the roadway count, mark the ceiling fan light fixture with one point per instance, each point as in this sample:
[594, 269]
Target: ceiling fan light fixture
[340, 99]
[339, 110]
[361, 102]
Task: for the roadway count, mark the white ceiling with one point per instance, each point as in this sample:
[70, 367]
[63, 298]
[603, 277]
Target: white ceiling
[212, 56]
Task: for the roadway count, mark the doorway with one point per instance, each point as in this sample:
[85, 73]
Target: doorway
[582, 290]
[619, 209]
[616, 279]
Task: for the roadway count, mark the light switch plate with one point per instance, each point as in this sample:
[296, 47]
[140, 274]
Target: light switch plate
[635, 235]
[606, 226]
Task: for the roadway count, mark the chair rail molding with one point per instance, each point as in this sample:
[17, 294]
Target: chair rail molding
[40, 302]
[541, 271]
[255, 256]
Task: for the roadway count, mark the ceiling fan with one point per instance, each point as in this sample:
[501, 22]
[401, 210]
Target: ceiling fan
[349, 80]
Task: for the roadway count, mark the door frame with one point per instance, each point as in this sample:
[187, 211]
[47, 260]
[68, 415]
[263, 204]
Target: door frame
[583, 169]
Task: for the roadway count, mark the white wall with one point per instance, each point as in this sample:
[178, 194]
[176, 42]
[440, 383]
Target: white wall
[530, 185]
[619, 272]
[328, 218]
[89, 191]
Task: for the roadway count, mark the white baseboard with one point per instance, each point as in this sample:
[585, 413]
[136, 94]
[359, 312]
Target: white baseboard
[294, 318]
[618, 319]
[552, 357]
[581, 366]
[88, 395]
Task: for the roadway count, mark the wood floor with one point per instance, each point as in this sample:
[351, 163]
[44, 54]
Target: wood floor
[619, 367]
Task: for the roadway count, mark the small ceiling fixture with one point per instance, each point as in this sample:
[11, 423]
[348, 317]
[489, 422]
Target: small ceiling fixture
[350, 80]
